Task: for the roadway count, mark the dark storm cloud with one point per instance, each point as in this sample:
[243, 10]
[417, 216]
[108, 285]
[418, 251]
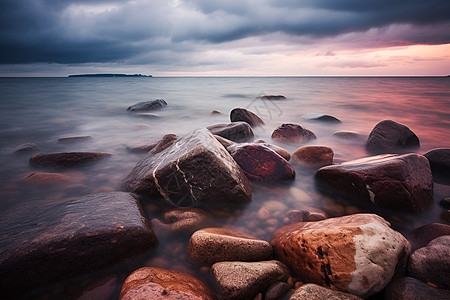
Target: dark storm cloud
[70, 31]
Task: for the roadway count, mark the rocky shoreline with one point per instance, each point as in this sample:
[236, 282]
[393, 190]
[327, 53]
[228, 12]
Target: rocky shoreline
[211, 173]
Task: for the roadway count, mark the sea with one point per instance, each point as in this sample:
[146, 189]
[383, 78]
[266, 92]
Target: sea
[43, 110]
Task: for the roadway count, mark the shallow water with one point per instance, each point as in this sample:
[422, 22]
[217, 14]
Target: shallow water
[42, 110]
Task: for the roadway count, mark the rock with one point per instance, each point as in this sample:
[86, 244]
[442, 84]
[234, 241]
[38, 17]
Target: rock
[292, 133]
[185, 220]
[346, 134]
[402, 182]
[225, 142]
[272, 97]
[309, 215]
[431, 263]
[321, 117]
[407, 288]
[425, 234]
[261, 163]
[196, 168]
[242, 114]
[244, 280]
[211, 245]
[215, 112]
[74, 139]
[389, 136]
[280, 151]
[445, 216]
[236, 131]
[440, 163]
[102, 289]
[155, 283]
[66, 159]
[148, 105]
[28, 147]
[314, 156]
[355, 254]
[46, 241]
[38, 178]
[277, 291]
[166, 141]
[445, 203]
[317, 292]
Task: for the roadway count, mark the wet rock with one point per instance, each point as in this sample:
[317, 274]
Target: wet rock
[102, 289]
[314, 156]
[38, 178]
[185, 220]
[28, 147]
[244, 115]
[277, 291]
[148, 105]
[445, 216]
[236, 131]
[155, 283]
[307, 215]
[46, 241]
[211, 245]
[66, 159]
[407, 288]
[292, 133]
[346, 134]
[431, 263]
[356, 254]
[166, 141]
[272, 97]
[321, 118]
[244, 280]
[402, 182]
[425, 234]
[225, 142]
[261, 163]
[214, 113]
[196, 168]
[389, 136]
[74, 139]
[440, 163]
[280, 151]
[318, 292]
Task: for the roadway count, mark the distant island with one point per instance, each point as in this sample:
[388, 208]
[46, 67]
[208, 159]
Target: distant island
[110, 75]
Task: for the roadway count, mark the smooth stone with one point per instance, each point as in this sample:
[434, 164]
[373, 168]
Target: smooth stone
[280, 151]
[28, 147]
[225, 142]
[425, 234]
[292, 133]
[66, 159]
[235, 131]
[272, 97]
[321, 118]
[440, 163]
[244, 115]
[277, 291]
[42, 242]
[185, 220]
[211, 245]
[103, 289]
[317, 292]
[346, 134]
[357, 254]
[402, 182]
[300, 195]
[307, 215]
[160, 284]
[74, 139]
[431, 263]
[215, 112]
[389, 136]
[313, 156]
[195, 169]
[407, 288]
[244, 280]
[39, 178]
[148, 105]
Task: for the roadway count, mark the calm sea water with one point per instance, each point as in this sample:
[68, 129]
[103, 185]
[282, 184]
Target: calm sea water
[42, 110]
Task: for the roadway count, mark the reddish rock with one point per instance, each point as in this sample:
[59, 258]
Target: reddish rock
[261, 163]
[277, 291]
[314, 156]
[317, 292]
[280, 151]
[242, 114]
[389, 136]
[37, 178]
[215, 112]
[356, 254]
[225, 142]
[66, 159]
[425, 234]
[185, 220]
[308, 215]
[440, 163]
[292, 133]
[407, 288]
[235, 131]
[165, 142]
[346, 134]
[160, 284]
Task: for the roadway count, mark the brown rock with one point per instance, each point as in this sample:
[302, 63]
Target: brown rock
[346, 134]
[314, 156]
[321, 118]
[66, 159]
[389, 136]
[317, 292]
[38, 178]
[308, 215]
[242, 114]
[292, 133]
[235, 131]
[407, 288]
[277, 291]
[280, 151]
[185, 220]
[425, 234]
[166, 141]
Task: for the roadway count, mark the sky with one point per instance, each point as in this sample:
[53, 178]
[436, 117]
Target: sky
[225, 37]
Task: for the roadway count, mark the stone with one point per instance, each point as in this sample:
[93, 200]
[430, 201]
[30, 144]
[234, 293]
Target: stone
[445, 216]
[42, 242]
[66, 159]
[389, 136]
[236, 131]
[165, 142]
[195, 169]
[407, 288]
[357, 254]
[28, 147]
[440, 163]
[402, 182]
[317, 292]
[244, 280]
[159, 284]
[313, 156]
[280, 151]
[182, 220]
[272, 97]
[292, 133]
[74, 139]
[425, 234]
[307, 215]
[215, 112]
[321, 118]
[431, 263]
[242, 114]
[277, 291]
[261, 163]
[211, 245]
[445, 203]
[40, 178]
[148, 105]
[225, 142]
[346, 134]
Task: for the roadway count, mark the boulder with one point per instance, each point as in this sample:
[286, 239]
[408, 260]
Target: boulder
[39, 178]
[225, 142]
[407, 288]
[389, 136]
[313, 156]
[244, 280]
[425, 234]
[211, 245]
[440, 163]
[261, 163]
[28, 147]
[321, 118]
[272, 97]
[196, 168]
[66, 159]
[402, 182]
[165, 142]
[356, 254]
[431, 263]
[47, 241]
[244, 115]
[292, 133]
[318, 292]
[236, 131]
[156, 283]
[148, 105]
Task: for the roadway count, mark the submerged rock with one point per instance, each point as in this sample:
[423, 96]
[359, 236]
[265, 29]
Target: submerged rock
[74, 139]
[66, 159]
[356, 254]
[321, 118]
[389, 136]
[28, 147]
[292, 133]
[280, 151]
[39, 178]
[440, 163]
[407, 288]
[314, 156]
[402, 182]
[148, 105]
[182, 220]
[242, 114]
[235, 131]
[272, 97]
[317, 292]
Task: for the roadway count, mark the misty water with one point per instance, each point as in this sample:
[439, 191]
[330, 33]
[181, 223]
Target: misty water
[42, 110]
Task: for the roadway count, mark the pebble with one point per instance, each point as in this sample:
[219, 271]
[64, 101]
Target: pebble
[300, 195]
